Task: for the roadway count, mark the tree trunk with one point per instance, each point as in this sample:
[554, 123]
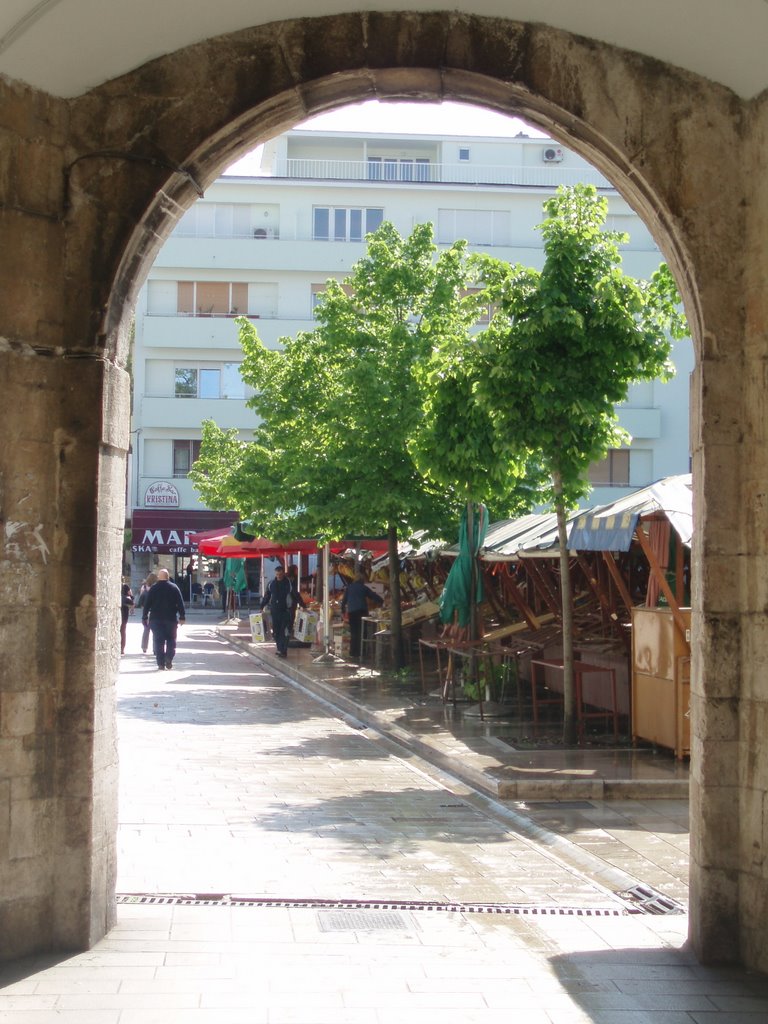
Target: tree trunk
[566, 600]
[319, 580]
[396, 619]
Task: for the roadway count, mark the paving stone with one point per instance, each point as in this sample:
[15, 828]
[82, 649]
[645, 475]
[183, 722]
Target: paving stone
[233, 781]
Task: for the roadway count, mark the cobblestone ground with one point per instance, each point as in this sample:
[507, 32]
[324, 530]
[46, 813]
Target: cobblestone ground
[235, 782]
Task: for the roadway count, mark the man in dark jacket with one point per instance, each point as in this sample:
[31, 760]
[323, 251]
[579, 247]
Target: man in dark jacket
[282, 595]
[162, 606]
[354, 604]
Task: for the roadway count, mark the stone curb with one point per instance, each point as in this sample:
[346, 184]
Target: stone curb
[484, 790]
[492, 781]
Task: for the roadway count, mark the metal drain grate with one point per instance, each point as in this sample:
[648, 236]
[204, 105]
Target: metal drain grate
[560, 805]
[361, 921]
[366, 906]
[650, 901]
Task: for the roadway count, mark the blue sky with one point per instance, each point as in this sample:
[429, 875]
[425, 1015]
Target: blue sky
[419, 118]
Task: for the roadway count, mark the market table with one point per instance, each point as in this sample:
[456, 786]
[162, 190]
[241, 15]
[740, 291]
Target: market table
[370, 627]
[580, 670]
[475, 651]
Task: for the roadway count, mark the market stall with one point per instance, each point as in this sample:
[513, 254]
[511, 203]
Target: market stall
[233, 544]
[625, 557]
[629, 553]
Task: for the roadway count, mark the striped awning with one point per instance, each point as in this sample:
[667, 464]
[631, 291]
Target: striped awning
[595, 532]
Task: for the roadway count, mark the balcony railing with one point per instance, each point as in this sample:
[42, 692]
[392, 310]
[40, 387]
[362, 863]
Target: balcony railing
[210, 316]
[545, 175]
[183, 230]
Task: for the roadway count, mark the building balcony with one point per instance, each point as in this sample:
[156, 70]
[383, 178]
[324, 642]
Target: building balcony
[165, 411]
[640, 423]
[215, 332]
[532, 176]
[212, 252]
[176, 330]
[296, 253]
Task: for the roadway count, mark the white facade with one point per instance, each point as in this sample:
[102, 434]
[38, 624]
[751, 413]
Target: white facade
[265, 246]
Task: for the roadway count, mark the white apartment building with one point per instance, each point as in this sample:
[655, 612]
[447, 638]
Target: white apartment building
[264, 246]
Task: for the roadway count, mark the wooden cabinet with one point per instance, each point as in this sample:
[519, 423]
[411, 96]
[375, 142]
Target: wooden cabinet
[661, 679]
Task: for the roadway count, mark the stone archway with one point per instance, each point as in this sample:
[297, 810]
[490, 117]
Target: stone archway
[92, 187]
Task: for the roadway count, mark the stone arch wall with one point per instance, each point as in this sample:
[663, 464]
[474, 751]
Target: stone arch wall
[192, 112]
[87, 195]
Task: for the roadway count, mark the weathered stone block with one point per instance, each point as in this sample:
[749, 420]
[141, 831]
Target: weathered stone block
[715, 925]
[754, 762]
[754, 907]
[719, 774]
[716, 722]
[5, 818]
[18, 713]
[32, 828]
[19, 759]
[25, 927]
[717, 656]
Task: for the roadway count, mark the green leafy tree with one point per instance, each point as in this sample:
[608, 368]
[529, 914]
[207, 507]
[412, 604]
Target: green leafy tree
[560, 352]
[457, 447]
[342, 405]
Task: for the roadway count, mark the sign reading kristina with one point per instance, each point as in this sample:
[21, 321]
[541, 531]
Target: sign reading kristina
[161, 495]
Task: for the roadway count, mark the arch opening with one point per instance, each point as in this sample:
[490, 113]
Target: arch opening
[215, 164]
[653, 130]
[203, 165]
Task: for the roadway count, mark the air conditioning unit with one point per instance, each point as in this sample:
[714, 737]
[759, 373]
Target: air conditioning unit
[551, 155]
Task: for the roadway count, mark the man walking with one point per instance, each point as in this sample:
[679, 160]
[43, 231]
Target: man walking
[164, 611]
[281, 596]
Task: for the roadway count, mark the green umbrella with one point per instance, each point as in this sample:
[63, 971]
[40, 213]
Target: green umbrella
[464, 586]
[234, 575]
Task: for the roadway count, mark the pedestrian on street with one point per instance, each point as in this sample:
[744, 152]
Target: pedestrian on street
[126, 607]
[282, 595]
[354, 604]
[146, 586]
[164, 612]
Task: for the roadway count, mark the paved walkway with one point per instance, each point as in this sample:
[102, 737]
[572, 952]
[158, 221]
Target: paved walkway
[620, 814]
[235, 782]
[331, 875]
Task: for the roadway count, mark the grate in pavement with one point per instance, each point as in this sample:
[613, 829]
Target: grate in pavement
[361, 921]
[650, 901]
[367, 906]
[561, 805]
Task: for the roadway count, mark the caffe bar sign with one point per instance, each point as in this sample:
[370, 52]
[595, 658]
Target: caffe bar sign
[166, 531]
[160, 541]
[161, 495]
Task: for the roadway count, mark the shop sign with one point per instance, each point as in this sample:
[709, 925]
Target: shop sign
[170, 542]
[157, 531]
[161, 495]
